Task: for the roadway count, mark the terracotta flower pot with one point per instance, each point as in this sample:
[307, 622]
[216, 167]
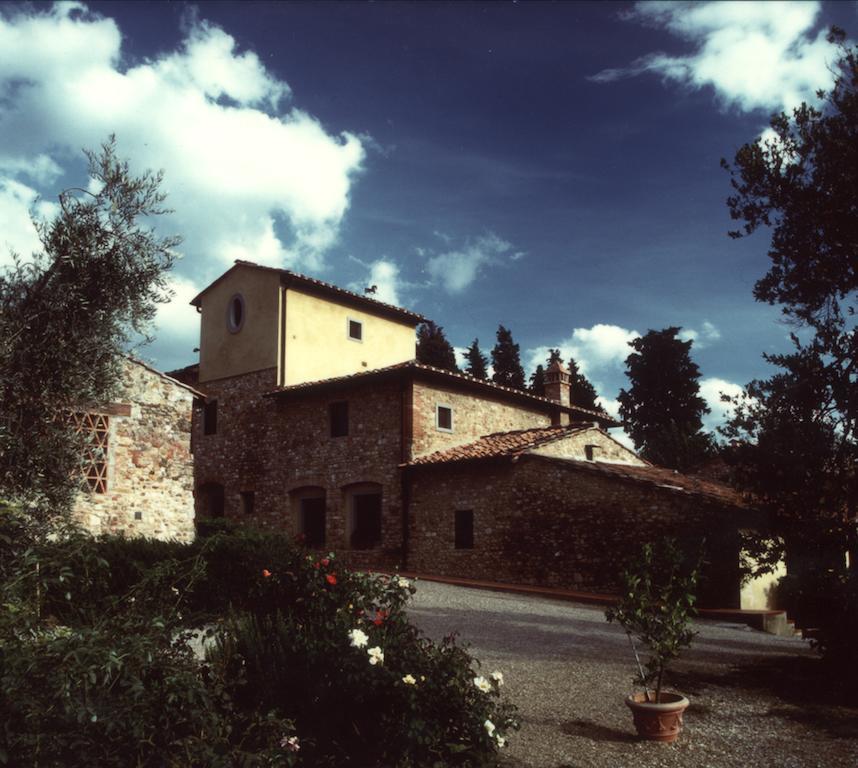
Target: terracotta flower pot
[660, 721]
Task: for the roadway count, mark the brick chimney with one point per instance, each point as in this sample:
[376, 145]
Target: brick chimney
[558, 384]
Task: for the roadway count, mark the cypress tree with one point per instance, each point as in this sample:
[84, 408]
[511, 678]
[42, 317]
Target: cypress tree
[506, 361]
[477, 361]
[434, 349]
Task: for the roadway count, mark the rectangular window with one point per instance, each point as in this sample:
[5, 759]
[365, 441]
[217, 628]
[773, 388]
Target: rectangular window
[339, 413]
[355, 330]
[367, 520]
[444, 418]
[248, 502]
[590, 452]
[313, 521]
[95, 429]
[464, 529]
[210, 418]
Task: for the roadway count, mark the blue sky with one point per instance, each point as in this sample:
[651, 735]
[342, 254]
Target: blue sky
[552, 167]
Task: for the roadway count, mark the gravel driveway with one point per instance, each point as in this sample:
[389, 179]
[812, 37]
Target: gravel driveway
[568, 672]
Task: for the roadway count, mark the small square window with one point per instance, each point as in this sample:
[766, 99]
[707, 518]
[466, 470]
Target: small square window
[444, 418]
[355, 330]
[339, 413]
[210, 418]
[464, 529]
[248, 502]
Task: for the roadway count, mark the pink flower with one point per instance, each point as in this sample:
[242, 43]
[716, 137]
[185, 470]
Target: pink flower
[331, 578]
[266, 573]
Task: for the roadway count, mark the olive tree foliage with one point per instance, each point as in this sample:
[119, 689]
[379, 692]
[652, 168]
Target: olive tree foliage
[794, 434]
[68, 315]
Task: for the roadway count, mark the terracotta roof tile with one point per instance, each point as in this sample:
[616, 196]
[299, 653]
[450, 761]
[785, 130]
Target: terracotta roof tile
[662, 478]
[499, 444]
[452, 377]
[299, 279]
[519, 443]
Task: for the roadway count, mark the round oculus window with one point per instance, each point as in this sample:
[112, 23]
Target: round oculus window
[235, 313]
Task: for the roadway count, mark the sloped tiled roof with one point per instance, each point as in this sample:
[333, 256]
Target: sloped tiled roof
[499, 444]
[287, 277]
[448, 377]
[519, 443]
[668, 479]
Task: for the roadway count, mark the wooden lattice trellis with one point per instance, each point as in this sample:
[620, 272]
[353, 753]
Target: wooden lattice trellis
[95, 428]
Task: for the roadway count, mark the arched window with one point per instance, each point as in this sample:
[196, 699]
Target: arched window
[309, 506]
[363, 512]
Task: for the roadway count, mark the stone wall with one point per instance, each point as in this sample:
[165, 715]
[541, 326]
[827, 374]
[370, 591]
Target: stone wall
[574, 447]
[149, 490]
[473, 417]
[277, 448]
[547, 522]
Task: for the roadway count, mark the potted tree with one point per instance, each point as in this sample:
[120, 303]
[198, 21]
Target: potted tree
[655, 609]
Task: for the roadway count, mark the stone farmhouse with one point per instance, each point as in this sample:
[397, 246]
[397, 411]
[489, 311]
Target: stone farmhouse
[138, 468]
[316, 419]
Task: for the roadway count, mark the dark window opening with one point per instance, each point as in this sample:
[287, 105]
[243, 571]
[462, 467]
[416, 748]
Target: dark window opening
[248, 502]
[212, 499]
[464, 529]
[590, 452]
[366, 518]
[138, 515]
[356, 330]
[444, 415]
[339, 413]
[313, 521]
[210, 418]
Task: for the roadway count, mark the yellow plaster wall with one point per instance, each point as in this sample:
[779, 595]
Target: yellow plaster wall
[317, 343]
[760, 593]
[254, 347]
[572, 447]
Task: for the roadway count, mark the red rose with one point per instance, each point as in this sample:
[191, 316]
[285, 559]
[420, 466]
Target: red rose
[331, 578]
[380, 616]
[326, 562]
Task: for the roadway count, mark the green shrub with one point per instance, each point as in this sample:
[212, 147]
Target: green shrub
[96, 667]
[361, 684]
[656, 606]
[125, 688]
[826, 600]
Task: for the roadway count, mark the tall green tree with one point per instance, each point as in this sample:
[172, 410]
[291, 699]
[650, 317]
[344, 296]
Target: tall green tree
[67, 317]
[477, 361]
[537, 381]
[506, 361]
[662, 407]
[584, 393]
[434, 349]
[794, 434]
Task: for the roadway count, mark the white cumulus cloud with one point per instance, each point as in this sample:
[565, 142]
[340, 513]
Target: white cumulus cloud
[711, 389]
[456, 269]
[755, 55]
[602, 348]
[707, 334]
[249, 174]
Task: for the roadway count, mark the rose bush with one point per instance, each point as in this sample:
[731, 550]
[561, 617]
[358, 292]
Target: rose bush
[307, 662]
